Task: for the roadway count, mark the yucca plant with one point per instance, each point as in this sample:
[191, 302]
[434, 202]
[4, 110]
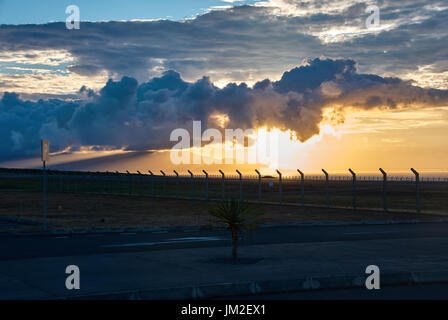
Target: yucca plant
[237, 217]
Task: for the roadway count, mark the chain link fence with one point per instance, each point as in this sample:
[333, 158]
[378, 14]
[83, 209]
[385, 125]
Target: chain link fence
[388, 192]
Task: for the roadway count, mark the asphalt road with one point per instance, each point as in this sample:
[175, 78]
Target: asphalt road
[33, 266]
[24, 247]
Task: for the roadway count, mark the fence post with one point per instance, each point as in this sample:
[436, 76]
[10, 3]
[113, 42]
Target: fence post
[177, 184]
[206, 184]
[302, 178]
[355, 204]
[241, 185]
[384, 189]
[164, 183]
[119, 182]
[99, 178]
[90, 183]
[138, 190]
[61, 183]
[223, 192]
[75, 183]
[51, 185]
[327, 192]
[191, 184]
[259, 185]
[280, 189]
[152, 182]
[68, 183]
[96, 179]
[107, 176]
[129, 181]
[417, 189]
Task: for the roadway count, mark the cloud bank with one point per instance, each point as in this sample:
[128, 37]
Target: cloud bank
[242, 43]
[127, 115]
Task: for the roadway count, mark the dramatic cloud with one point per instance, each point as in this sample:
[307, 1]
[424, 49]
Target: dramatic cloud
[127, 115]
[244, 43]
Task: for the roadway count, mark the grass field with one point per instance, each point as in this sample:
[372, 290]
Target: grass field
[80, 200]
[401, 195]
[80, 211]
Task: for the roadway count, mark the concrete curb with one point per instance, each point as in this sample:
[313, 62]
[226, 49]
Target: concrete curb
[223, 290]
[202, 228]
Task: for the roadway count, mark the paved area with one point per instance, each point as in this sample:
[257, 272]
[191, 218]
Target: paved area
[34, 267]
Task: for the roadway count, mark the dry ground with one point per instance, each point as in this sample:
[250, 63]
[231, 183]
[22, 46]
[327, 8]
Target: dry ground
[80, 211]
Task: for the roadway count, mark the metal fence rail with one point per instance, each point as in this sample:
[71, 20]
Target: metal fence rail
[373, 192]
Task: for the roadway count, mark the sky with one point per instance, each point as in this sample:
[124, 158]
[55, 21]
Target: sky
[28, 11]
[339, 94]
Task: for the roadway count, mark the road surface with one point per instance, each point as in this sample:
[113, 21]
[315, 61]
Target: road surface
[33, 267]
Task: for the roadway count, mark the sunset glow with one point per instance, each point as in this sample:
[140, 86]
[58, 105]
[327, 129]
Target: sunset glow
[335, 98]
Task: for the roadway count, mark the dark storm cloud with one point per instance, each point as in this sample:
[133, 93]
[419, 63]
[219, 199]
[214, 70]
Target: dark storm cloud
[244, 42]
[141, 116]
[240, 44]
